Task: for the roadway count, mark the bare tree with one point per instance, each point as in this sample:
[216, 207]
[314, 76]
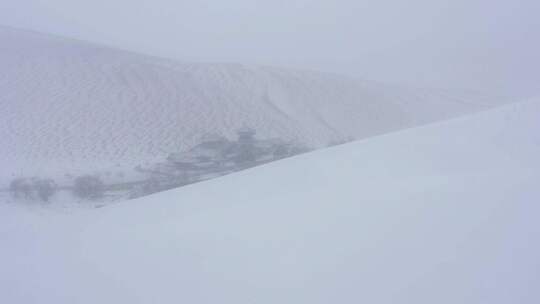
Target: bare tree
[45, 188]
[21, 188]
[88, 187]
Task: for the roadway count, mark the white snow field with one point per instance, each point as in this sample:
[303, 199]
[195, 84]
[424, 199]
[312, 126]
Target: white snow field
[445, 213]
[70, 107]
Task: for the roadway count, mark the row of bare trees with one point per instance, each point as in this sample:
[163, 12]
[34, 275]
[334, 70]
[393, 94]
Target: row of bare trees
[42, 189]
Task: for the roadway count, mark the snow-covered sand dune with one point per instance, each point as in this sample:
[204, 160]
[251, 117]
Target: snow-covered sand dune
[68, 106]
[446, 213]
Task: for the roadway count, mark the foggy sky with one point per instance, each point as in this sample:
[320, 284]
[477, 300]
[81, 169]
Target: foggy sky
[473, 44]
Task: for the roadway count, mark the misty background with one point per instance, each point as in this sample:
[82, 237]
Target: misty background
[480, 45]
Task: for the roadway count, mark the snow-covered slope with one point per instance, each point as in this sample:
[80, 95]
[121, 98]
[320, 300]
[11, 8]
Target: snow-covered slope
[446, 213]
[67, 106]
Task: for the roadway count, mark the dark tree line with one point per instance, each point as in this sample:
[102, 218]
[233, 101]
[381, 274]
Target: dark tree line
[33, 189]
[41, 189]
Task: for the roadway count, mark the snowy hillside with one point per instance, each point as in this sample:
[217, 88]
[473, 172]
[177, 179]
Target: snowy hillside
[446, 213]
[68, 107]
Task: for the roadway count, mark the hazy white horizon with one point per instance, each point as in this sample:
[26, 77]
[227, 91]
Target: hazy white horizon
[479, 45]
